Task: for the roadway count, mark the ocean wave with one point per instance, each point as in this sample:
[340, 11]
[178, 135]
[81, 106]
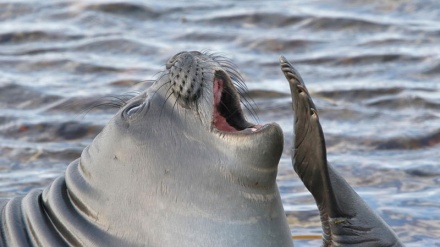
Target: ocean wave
[130, 10]
[15, 96]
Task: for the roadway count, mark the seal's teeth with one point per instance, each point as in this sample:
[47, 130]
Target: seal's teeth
[252, 129]
[256, 127]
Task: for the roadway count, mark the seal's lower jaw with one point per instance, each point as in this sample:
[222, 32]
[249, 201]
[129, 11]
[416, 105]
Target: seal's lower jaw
[227, 114]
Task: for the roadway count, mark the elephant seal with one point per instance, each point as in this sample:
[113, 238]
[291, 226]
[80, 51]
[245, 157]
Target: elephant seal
[346, 219]
[178, 165]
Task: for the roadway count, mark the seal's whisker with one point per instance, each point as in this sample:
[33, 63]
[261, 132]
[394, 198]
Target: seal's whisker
[84, 112]
[166, 100]
[242, 90]
[122, 100]
[230, 113]
[207, 52]
[208, 90]
[151, 81]
[175, 102]
[112, 101]
[205, 89]
[163, 72]
[155, 92]
[249, 105]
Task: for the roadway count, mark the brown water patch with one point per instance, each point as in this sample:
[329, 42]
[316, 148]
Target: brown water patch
[130, 10]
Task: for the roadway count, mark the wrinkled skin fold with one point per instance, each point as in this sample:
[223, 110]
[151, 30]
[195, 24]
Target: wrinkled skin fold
[346, 219]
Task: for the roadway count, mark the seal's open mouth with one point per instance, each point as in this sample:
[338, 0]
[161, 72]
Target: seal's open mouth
[228, 115]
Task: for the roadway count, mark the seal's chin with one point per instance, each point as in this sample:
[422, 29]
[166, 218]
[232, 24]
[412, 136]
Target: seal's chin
[228, 115]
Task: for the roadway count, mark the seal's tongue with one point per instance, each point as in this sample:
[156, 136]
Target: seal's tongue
[219, 121]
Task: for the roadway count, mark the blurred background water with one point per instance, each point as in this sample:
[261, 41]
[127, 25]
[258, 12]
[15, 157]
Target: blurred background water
[372, 66]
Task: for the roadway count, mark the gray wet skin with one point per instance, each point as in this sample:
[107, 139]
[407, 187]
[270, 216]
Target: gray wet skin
[346, 219]
[161, 174]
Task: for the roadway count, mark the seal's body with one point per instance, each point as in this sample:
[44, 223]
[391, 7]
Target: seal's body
[178, 165]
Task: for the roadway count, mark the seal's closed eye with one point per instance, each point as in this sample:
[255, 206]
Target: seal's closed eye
[129, 112]
[135, 108]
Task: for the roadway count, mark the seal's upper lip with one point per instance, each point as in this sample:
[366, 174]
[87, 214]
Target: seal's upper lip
[227, 115]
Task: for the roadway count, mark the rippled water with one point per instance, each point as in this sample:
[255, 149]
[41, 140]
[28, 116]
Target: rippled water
[373, 68]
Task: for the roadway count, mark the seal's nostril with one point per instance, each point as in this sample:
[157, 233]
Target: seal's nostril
[173, 59]
[196, 53]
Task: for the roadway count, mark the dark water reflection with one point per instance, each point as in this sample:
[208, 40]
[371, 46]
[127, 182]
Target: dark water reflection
[373, 68]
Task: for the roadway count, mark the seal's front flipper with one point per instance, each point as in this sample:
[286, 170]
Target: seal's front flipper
[346, 219]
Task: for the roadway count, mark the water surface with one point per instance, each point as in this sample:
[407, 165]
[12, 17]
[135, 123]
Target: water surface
[373, 68]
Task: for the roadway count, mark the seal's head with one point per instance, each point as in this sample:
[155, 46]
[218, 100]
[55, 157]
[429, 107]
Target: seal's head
[180, 164]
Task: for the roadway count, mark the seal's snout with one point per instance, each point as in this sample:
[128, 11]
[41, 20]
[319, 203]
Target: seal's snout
[187, 77]
[207, 84]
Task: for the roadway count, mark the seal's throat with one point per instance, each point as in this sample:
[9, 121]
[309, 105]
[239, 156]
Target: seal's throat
[228, 115]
